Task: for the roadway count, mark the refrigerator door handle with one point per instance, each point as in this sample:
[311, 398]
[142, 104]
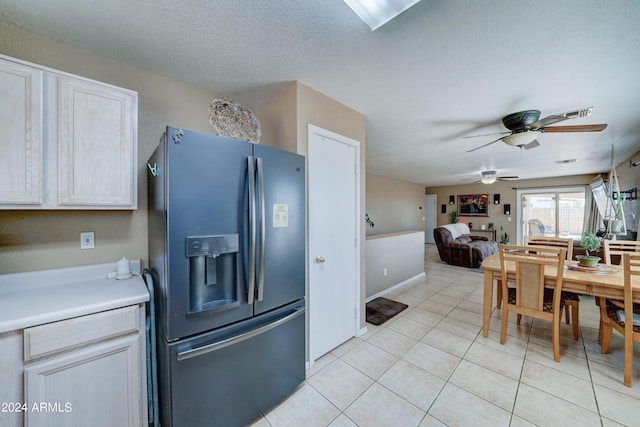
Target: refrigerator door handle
[261, 206]
[194, 352]
[252, 230]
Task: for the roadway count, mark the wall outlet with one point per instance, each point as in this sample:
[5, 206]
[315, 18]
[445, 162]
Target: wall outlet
[385, 272]
[87, 240]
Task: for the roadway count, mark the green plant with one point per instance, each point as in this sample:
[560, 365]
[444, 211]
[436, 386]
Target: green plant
[453, 217]
[368, 221]
[589, 242]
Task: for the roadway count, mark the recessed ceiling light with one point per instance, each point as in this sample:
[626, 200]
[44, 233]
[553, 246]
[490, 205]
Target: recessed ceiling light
[376, 13]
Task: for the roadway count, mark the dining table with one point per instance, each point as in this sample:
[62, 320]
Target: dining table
[603, 281]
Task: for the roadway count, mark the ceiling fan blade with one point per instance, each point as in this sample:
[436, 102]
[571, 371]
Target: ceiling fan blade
[532, 144]
[482, 146]
[577, 128]
[546, 121]
[555, 118]
[486, 134]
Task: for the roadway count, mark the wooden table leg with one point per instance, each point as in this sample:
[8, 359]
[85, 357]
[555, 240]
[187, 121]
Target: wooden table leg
[487, 302]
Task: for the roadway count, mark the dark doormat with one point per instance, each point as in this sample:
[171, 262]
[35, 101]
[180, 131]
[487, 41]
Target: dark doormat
[382, 309]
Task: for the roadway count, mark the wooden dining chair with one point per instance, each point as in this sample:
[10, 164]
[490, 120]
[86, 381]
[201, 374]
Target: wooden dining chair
[572, 299]
[618, 247]
[529, 297]
[619, 315]
[612, 251]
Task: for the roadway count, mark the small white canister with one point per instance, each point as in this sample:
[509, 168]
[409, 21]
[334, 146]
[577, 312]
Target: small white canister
[124, 269]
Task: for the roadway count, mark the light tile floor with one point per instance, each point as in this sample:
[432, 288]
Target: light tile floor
[431, 366]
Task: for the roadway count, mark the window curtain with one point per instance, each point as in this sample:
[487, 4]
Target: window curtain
[592, 218]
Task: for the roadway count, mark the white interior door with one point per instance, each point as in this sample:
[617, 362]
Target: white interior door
[334, 282]
[430, 220]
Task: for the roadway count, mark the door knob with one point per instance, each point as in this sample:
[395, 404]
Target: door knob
[319, 259]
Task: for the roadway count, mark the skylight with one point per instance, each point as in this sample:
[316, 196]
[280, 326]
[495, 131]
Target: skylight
[376, 13]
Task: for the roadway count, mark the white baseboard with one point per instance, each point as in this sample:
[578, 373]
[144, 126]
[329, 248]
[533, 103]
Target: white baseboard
[394, 287]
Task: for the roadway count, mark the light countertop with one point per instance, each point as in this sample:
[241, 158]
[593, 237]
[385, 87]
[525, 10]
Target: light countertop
[33, 298]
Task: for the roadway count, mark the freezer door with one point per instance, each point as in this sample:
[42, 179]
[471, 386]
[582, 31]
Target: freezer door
[281, 245]
[206, 202]
[229, 377]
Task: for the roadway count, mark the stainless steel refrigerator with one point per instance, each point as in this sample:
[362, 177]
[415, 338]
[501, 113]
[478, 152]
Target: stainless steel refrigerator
[227, 255]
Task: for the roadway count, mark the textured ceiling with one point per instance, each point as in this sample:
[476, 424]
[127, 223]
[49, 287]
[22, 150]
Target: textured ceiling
[439, 71]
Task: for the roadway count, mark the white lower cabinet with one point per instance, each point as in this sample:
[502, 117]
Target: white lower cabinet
[84, 371]
[95, 386]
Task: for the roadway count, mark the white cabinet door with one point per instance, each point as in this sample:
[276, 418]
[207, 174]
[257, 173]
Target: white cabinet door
[96, 145]
[67, 142]
[11, 370]
[21, 141]
[96, 386]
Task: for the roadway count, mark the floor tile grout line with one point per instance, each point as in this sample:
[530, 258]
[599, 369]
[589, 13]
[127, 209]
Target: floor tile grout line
[524, 359]
[375, 381]
[442, 283]
[593, 385]
[461, 358]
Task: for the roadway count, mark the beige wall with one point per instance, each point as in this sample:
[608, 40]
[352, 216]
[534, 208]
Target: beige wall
[285, 119]
[35, 240]
[399, 255]
[507, 192]
[278, 119]
[628, 178]
[319, 110]
[394, 205]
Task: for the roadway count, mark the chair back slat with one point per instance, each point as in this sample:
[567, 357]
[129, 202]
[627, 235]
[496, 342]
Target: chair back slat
[631, 268]
[618, 247]
[530, 265]
[529, 285]
[554, 242]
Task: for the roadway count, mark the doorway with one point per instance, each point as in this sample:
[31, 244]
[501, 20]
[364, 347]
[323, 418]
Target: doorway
[430, 217]
[334, 240]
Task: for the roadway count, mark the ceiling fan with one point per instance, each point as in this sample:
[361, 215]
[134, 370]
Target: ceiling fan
[489, 177]
[525, 126]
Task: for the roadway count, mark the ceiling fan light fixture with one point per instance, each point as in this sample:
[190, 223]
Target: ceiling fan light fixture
[489, 177]
[376, 13]
[520, 139]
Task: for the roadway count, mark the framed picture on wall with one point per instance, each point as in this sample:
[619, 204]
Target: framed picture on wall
[473, 205]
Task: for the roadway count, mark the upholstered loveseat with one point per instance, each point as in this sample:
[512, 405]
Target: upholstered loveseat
[457, 247]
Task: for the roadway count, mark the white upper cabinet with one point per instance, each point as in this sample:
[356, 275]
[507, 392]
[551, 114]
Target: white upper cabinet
[96, 145]
[21, 142]
[73, 141]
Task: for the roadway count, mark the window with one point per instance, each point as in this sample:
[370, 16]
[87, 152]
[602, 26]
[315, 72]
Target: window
[551, 212]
